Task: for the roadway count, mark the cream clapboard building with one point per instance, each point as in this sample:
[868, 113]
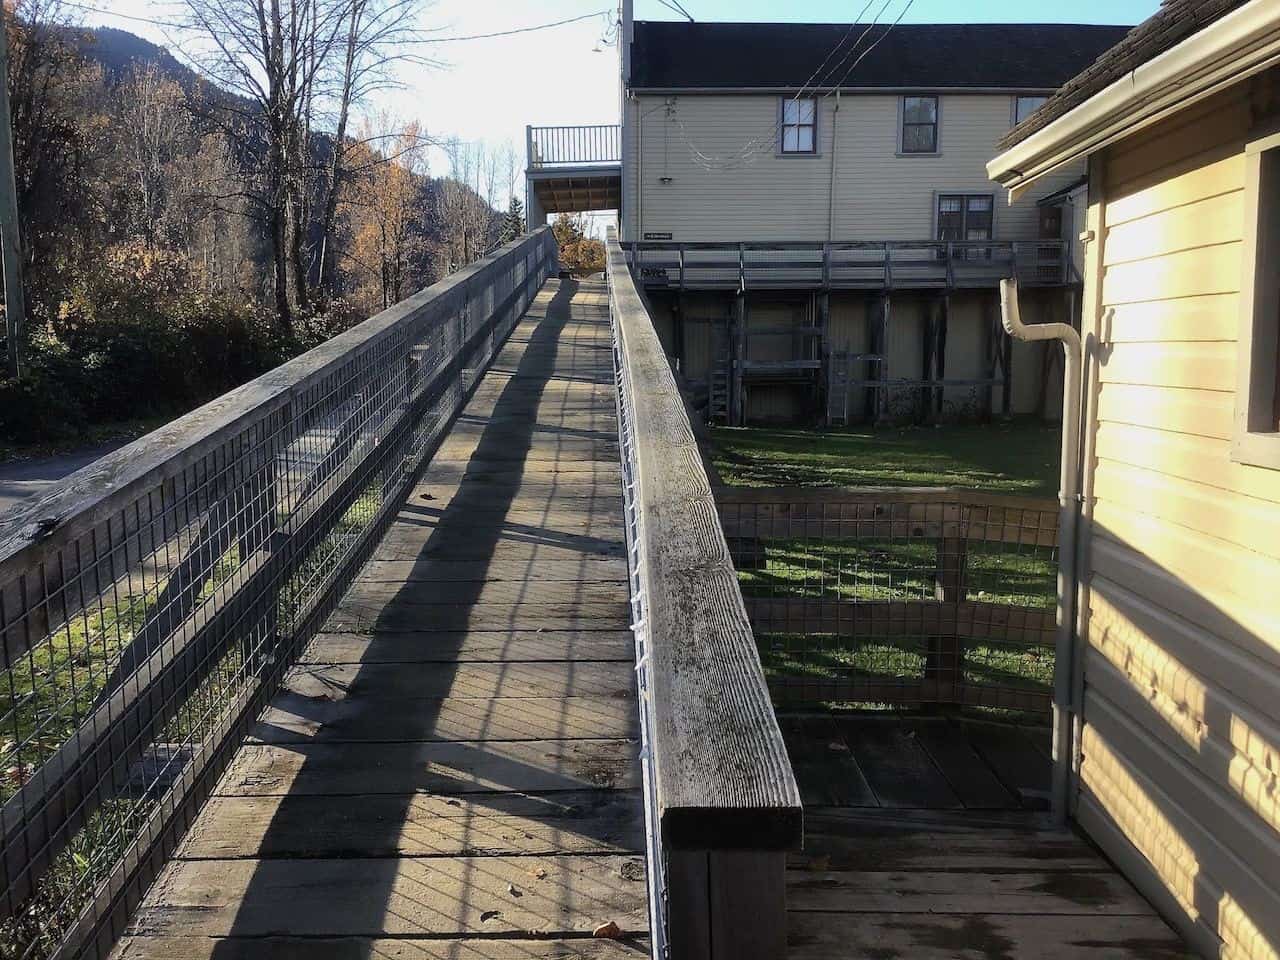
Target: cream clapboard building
[1177, 693]
[795, 134]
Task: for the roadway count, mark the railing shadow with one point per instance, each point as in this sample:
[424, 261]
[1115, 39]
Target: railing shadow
[411, 894]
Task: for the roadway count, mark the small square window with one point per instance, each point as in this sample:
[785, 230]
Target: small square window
[919, 124]
[1257, 426]
[799, 125]
[1024, 107]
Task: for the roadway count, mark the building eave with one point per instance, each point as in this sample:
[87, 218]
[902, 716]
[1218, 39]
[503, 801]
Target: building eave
[1241, 44]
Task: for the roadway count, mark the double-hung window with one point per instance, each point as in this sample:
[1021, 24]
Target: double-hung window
[1024, 107]
[919, 125]
[799, 125]
[965, 216]
[1256, 437]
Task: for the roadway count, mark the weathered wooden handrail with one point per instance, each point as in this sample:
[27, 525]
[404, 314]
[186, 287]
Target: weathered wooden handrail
[723, 802]
[150, 603]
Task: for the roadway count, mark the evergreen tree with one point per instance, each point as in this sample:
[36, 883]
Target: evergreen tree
[513, 221]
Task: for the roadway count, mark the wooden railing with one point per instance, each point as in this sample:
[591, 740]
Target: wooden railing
[576, 146]
[150, 603]
[851, 265]
[901, 597]
[722, 803]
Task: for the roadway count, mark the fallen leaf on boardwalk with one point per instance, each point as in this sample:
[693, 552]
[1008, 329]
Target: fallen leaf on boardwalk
[490, 915]
[511, 889]
[540, 874]
[607, 931]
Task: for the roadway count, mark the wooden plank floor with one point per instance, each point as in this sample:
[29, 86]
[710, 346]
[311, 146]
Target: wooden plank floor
[450, 771]
[925, 839]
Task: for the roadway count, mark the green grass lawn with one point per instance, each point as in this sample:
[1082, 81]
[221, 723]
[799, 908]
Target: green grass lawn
[1019, 457]
[1022, 576]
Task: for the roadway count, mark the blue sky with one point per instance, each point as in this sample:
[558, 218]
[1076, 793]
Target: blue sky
[489, 89]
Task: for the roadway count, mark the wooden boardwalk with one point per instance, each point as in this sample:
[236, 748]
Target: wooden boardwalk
[451, 770]
[924, 841]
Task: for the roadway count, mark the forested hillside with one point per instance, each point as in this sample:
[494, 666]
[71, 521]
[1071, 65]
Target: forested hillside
[189, 222]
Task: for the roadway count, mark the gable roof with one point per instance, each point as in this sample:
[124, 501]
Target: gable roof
[722, 56]
[1175, 21]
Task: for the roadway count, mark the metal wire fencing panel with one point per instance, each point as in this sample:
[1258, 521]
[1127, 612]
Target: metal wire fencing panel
[899, 598]
[150, 605]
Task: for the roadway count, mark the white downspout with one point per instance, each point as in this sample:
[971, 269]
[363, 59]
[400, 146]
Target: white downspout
[1068, 505]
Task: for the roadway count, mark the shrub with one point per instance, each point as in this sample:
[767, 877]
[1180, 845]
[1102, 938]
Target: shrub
[38, 409]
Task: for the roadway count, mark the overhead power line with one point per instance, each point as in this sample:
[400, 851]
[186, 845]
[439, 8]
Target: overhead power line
[675, 7]
[175, 25]
[514, 30]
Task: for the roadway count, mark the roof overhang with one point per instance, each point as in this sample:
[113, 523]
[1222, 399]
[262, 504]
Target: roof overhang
[1241, 44]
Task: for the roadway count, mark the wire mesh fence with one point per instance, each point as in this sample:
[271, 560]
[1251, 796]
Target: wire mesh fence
[149, 606]
[899, 597]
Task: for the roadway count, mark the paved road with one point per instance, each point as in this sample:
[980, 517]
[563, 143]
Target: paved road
[20, 479]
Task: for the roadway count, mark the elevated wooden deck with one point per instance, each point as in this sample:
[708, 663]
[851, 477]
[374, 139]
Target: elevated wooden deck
[451, 769]
[924, 840]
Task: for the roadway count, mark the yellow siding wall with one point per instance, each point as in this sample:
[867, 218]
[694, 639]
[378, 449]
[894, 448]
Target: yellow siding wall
[1181, 671]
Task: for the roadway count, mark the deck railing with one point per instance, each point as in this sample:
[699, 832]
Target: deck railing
[852, 265]
[578, 146]
[898, 597]
[150, 603]
[722, 803]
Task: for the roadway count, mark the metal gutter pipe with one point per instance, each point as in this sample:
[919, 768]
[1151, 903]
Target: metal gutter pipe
[1069, 510]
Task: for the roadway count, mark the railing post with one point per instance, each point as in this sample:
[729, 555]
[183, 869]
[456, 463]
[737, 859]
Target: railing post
[727, 904]
[944, 666]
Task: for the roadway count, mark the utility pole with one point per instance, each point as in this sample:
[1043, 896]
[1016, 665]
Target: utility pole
[15, 308]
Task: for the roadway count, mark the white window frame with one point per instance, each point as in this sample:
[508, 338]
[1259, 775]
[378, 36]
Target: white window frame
[1256, 436]
[937, 125]
[783, 125]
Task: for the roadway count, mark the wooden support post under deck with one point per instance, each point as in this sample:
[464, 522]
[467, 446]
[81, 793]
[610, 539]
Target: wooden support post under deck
[677, 331]
[738, 355]
[878, 397]
[940, 356]
[991, 343]
[823, 350]
[928, 350]
[727, 904]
